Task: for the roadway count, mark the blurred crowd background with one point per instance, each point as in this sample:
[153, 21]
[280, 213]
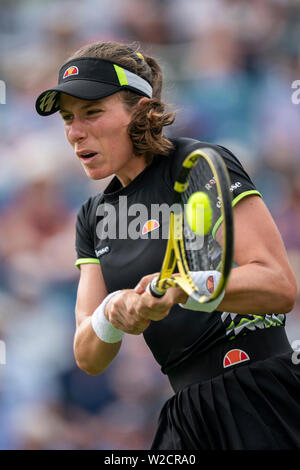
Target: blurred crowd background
[229, 68]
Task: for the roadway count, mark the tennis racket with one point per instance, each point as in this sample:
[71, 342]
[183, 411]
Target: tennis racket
[189, 248]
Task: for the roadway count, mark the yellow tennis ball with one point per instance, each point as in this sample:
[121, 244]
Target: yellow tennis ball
[198, 213]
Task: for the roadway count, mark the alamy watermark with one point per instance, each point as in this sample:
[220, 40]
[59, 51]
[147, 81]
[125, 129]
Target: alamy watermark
[296, 353]
[2, 92]
[140, 221]
[296, 94]
[2, 353]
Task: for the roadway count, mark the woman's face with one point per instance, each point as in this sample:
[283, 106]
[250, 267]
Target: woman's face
[97, 131]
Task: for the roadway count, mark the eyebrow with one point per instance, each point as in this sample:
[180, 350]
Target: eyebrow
[84, 106]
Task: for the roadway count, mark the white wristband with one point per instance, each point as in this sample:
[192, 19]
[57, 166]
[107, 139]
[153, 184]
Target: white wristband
[202, 279]
[102, 327]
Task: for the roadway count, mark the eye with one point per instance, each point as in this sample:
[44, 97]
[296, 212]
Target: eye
[66, 117]
[92, 112]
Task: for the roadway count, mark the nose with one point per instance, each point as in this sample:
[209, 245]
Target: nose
[76, 131]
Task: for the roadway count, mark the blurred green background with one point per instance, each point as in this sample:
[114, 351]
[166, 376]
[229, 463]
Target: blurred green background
[229, 67]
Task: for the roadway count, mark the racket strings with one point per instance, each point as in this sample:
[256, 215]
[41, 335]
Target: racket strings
[199, 249]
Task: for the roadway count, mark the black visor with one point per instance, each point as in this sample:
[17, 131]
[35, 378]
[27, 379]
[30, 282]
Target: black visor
[90, 78]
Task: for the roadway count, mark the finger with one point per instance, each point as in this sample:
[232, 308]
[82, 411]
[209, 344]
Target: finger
[124, 315]
[149, 307]
[128, 323]
[135, 323]
[176, 295]
[142, 285]
[139, 289]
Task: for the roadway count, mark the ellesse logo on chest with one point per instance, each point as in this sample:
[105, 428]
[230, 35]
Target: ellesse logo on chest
[149, 226]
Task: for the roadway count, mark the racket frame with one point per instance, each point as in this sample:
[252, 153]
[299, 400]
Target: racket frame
[175, 251]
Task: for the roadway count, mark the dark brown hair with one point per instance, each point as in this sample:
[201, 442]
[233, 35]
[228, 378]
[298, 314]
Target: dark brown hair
[149, 118]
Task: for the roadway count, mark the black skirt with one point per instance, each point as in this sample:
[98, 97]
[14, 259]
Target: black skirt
[255, 406]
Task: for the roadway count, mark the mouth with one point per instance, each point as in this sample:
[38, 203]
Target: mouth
[87, 156]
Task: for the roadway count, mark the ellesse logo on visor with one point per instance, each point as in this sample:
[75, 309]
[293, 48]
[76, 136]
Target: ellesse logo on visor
[73, 70]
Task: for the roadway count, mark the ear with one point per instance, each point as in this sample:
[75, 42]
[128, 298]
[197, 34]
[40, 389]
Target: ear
[144, 99]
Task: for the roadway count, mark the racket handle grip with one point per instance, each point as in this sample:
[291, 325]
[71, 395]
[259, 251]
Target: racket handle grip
[152, 289]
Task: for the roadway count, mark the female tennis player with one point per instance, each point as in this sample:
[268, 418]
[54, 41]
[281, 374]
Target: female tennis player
[235, 385]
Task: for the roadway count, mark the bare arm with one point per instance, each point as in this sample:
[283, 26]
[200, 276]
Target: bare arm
[263, 283]
[92, 355]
